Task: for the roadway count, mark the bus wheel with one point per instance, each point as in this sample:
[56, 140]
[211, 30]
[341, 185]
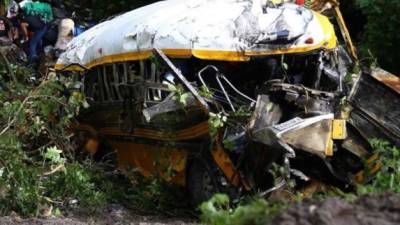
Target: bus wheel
[201, 182]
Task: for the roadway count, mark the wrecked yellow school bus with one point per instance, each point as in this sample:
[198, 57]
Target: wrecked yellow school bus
[217, 95]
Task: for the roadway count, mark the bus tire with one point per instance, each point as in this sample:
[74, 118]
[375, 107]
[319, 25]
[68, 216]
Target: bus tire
[201, 182]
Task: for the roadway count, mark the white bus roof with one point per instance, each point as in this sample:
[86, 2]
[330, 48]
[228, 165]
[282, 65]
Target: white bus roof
[229, 30]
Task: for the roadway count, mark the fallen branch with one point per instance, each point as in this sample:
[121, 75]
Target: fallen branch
[22, 106]
[55, 170]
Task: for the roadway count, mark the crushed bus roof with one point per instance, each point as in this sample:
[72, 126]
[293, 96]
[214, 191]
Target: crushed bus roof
[228, 30]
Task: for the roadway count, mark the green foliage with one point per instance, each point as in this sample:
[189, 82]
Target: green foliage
[217, 211]
[242, 112]
[205, 92]
[18, 180]
[381, 31]
[388, 178]
[216, 121]
[229, 145]
[54, 155]
[37, 166]
[155, 195]
[180, 94]
[105, 8]
[78, 181]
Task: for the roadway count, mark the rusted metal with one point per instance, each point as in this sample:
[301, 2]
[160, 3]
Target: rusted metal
[226, 165]
[345, 33]
[375, 100]
[386, 78]
[323, 5]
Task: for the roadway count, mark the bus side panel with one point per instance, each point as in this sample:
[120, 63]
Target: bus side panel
[168, 162]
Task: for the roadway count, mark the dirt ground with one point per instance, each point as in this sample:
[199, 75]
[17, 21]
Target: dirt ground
[92, 221]
[381, 209]
[110, 215]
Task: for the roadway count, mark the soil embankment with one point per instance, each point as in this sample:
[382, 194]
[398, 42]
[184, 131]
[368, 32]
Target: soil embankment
[381, 209]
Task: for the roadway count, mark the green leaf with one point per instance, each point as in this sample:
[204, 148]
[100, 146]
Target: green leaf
[54, 155]
[57, 212]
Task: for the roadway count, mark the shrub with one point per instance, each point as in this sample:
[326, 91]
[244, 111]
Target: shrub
[388, 178]
[37, 166]
[218, 211]
[381, 31]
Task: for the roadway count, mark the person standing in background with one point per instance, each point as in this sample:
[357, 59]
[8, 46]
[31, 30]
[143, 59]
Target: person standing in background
[5, 31]
[65, 26]
[12, 12]
[36, 25]
[36, 17]
[38, 8]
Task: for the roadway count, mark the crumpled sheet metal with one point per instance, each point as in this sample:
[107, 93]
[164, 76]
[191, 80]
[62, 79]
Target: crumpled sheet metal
[166, 106]
[375, 99]
[230, 29]
[310, 134]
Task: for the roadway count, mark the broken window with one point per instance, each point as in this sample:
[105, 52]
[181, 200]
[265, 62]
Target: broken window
[91, 87]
